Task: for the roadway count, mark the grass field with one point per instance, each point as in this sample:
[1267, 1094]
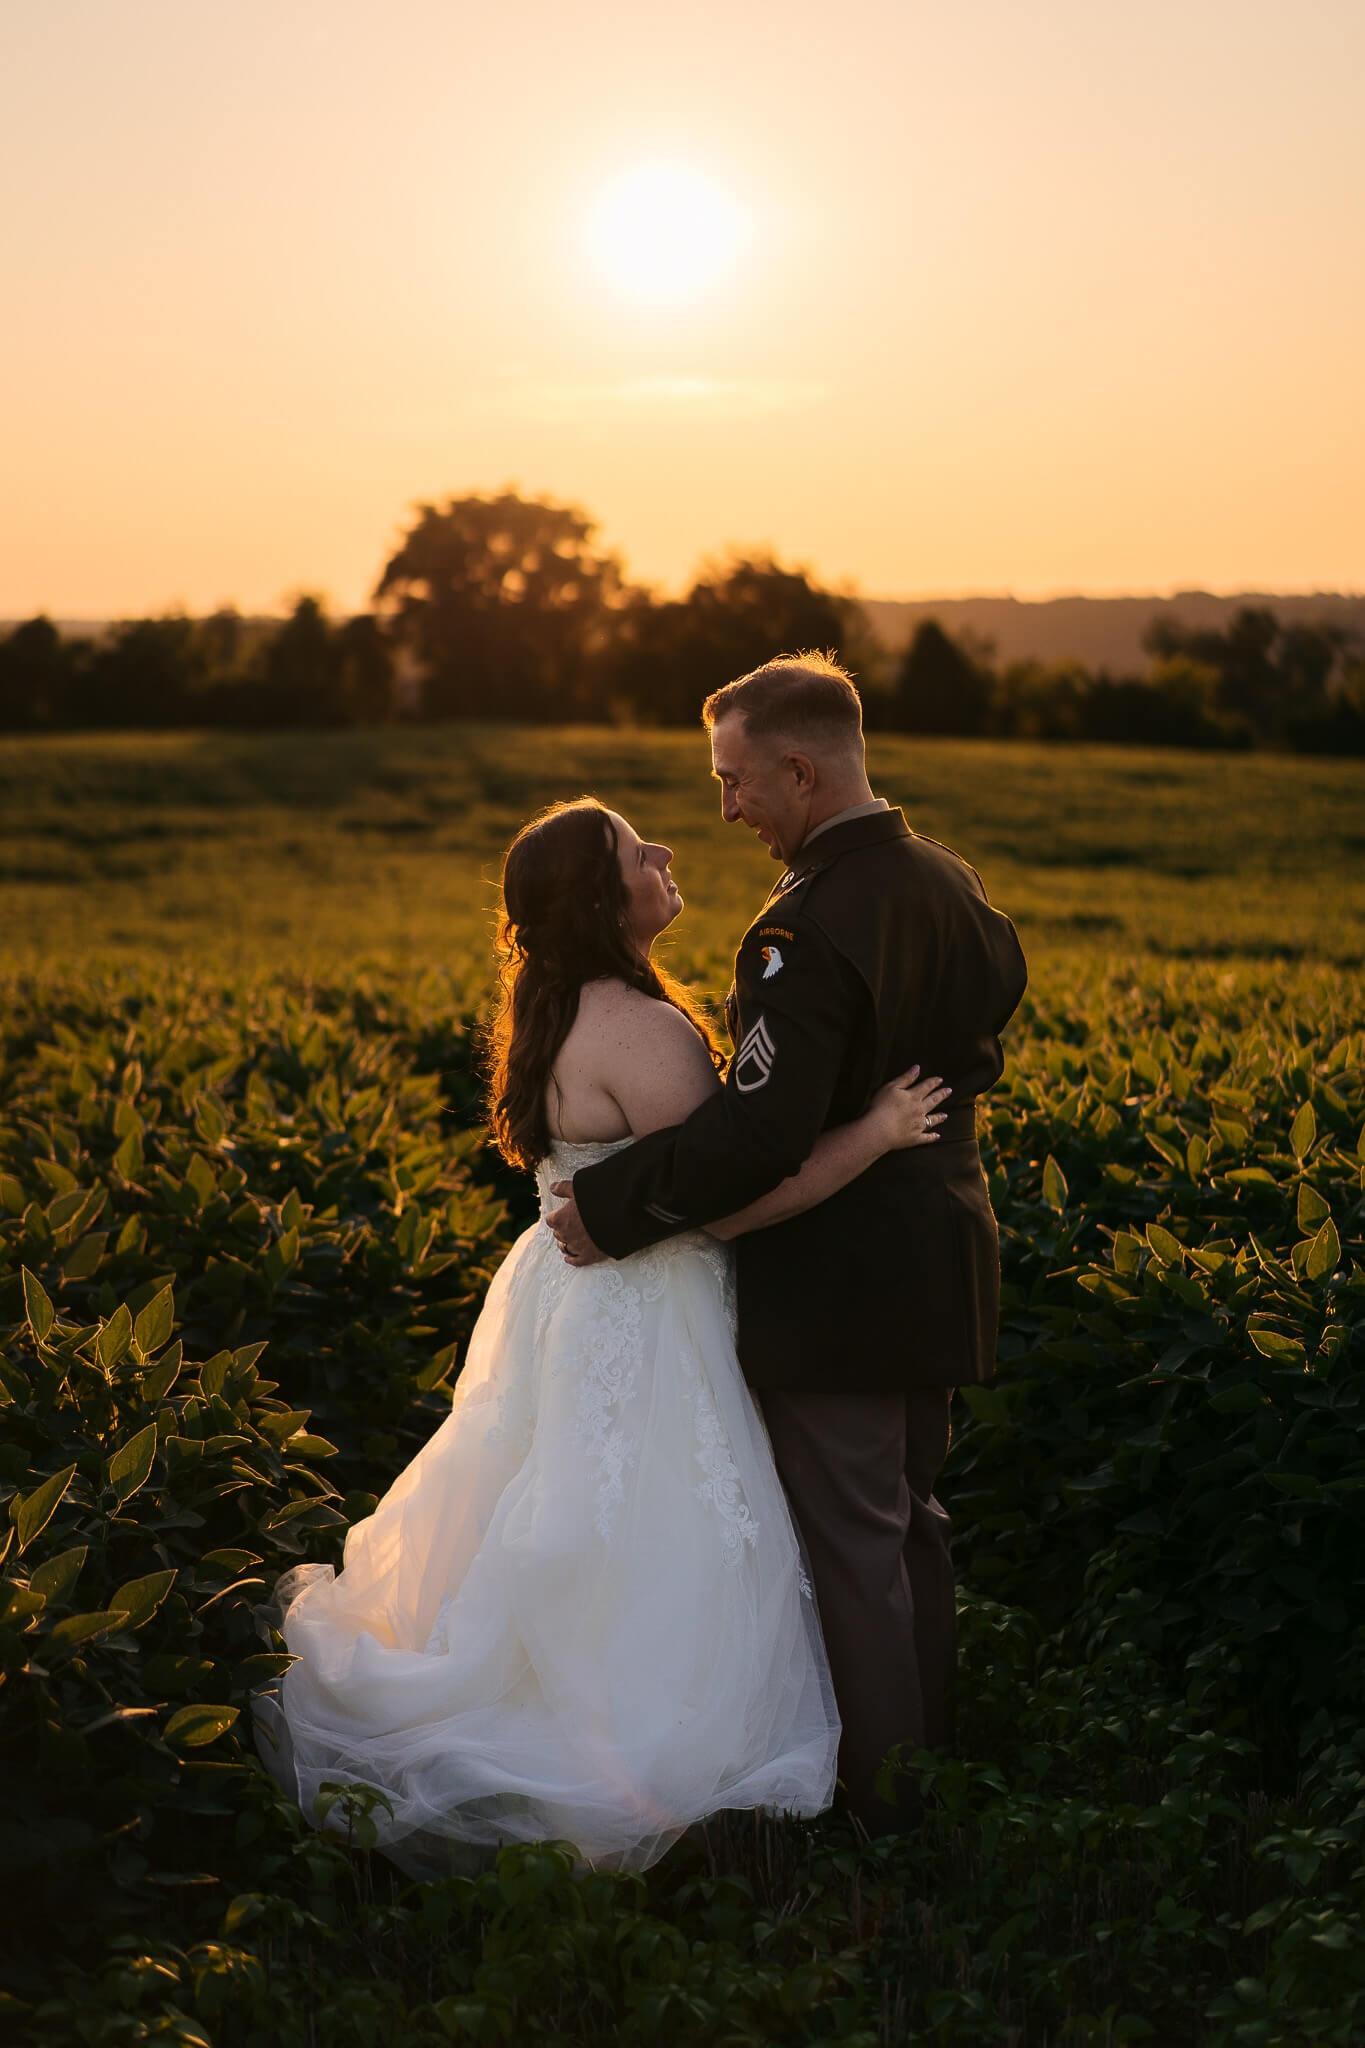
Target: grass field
[245, 1226]
[322, 849]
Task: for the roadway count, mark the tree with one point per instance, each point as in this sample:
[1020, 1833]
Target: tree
[146, 674]
[740, 612]
[1041, 700]
[35, 670]
[366, 671]
[506, 604]
[1271, 678]
[302, 669]
[942, 687]
[223, 642]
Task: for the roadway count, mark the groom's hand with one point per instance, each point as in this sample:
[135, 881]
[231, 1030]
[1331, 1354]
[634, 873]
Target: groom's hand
[569, 1229]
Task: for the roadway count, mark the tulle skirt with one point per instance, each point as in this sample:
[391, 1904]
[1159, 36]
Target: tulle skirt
[580, 1613]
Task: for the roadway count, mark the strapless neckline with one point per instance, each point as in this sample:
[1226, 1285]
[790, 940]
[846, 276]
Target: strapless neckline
[601, 1146]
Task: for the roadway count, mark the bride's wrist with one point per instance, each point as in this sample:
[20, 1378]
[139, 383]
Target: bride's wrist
[881, 1131]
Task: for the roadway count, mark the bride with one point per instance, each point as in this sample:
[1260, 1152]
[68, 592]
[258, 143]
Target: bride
[580, 1613]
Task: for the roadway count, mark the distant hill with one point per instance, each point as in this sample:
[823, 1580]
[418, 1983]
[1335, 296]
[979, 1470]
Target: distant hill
[1100, 632]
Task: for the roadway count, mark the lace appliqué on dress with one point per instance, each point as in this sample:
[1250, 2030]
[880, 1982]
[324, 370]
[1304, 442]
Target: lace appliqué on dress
[721, 1488]
[608, 1377]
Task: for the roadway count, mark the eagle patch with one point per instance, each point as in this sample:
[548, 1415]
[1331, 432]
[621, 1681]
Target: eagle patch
[773, 957]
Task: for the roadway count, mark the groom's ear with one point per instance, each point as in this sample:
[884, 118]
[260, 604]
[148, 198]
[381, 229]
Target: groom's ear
[801, 768]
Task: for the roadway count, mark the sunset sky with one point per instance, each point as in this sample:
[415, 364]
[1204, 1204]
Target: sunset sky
[979, 298]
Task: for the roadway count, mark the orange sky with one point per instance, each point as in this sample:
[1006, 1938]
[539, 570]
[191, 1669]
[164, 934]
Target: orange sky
[1069, 297]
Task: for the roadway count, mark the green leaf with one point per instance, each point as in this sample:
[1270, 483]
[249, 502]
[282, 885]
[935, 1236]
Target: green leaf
[85, 1255]
[213, 1372]
[1251, 1177]
[55, 1576]
[1325, 1254]
[1171, 1153]
[209, 1120]
[246, 1907]
[128, 1160]
[115, 1337]
[264, 1664]
[19, 1603]
[153, 1326]
[1243, 1399]
[1311, 1208]
[132, 1237]
[229, 1562]
[321, 1516]
[37, 1307]
[79, 1628]
[1301, 1484]
[158, 1380]
[32, 1512]
[436, 1368]
[279, 1428]
[1303, 1130]
[1271, 1344]
[11, 1194]
[1166, 1247]
[140, 1598]
[194, 1727]
[1054, 1184]
[987, 1404]
[131, 1462]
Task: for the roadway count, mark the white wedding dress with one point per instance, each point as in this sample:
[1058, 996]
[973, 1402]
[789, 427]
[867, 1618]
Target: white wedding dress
[580, 1613]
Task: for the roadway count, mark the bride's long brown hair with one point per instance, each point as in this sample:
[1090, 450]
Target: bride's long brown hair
[563, 923]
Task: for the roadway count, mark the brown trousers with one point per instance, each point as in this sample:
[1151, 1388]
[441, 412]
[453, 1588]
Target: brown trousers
[859, 1472]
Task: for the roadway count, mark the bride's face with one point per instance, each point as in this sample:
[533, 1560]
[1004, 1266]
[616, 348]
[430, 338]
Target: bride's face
[652, 897]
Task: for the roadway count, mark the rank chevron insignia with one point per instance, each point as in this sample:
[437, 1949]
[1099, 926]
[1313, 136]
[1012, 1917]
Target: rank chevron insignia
[754, 1060]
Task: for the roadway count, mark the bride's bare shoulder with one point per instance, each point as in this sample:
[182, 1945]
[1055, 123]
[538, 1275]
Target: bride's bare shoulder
[613, 1009]
[641, 1052]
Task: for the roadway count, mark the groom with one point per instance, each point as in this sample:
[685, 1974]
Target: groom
[876, 949]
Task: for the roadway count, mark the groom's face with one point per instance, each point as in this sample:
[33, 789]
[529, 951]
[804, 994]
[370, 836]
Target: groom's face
[763, 785]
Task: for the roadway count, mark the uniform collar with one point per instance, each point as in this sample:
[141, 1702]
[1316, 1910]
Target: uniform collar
[873, 828]
[873, 804]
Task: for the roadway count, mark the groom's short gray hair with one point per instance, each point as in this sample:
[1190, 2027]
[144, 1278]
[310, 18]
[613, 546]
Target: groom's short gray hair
[806, 696]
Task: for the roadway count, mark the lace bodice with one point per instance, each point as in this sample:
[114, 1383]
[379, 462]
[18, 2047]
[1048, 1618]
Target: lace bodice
[564, 1158]
[607, 1362]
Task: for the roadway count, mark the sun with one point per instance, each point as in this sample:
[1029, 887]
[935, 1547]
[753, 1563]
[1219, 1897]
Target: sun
[663, 233]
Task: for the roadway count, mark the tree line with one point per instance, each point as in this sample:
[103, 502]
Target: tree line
[504, 608]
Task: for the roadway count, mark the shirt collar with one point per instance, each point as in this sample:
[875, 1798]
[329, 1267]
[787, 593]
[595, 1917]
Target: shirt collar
[878, 803]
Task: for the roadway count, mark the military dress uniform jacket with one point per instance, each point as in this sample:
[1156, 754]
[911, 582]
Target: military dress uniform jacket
[877, 949]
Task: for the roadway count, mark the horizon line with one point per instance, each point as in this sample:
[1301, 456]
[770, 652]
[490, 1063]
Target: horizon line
[175, 608]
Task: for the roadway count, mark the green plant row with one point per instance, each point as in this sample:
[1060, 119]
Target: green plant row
[244, 1230]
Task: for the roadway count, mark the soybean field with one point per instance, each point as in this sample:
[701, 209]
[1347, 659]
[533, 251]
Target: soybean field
[247, 1217]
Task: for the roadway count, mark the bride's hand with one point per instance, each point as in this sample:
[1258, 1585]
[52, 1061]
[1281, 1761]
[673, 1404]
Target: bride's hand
[906, 1110]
